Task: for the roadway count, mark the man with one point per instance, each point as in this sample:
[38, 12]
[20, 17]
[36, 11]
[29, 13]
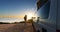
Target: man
[25, 18]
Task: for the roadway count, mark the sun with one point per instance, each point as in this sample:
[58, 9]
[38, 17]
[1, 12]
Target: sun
[29, 16]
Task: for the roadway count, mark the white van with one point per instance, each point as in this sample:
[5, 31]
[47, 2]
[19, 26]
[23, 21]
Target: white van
[50, 16]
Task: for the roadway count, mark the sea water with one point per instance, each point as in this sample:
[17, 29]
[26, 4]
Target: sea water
[11, 20]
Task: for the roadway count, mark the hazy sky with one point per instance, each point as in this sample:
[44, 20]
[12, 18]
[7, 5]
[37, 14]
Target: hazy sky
[16, 7]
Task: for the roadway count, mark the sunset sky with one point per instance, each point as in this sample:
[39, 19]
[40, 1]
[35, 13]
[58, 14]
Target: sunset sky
[16, 8]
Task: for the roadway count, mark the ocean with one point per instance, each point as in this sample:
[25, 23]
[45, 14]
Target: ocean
[10, 20]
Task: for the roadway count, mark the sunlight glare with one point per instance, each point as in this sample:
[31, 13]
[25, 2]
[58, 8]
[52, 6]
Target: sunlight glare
[29, 16]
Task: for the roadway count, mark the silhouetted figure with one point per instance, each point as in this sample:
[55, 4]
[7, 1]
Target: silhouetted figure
[38, 19]
[25, 17]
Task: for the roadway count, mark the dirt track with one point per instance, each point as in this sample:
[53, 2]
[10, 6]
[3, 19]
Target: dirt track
[21, 27]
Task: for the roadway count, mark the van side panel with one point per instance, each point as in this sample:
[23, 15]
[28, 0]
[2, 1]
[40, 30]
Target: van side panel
[58, 16]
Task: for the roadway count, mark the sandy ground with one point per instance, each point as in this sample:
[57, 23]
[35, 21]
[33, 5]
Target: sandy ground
[5, 26]
[21, 27]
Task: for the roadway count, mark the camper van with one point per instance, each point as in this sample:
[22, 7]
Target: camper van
[49, 15]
